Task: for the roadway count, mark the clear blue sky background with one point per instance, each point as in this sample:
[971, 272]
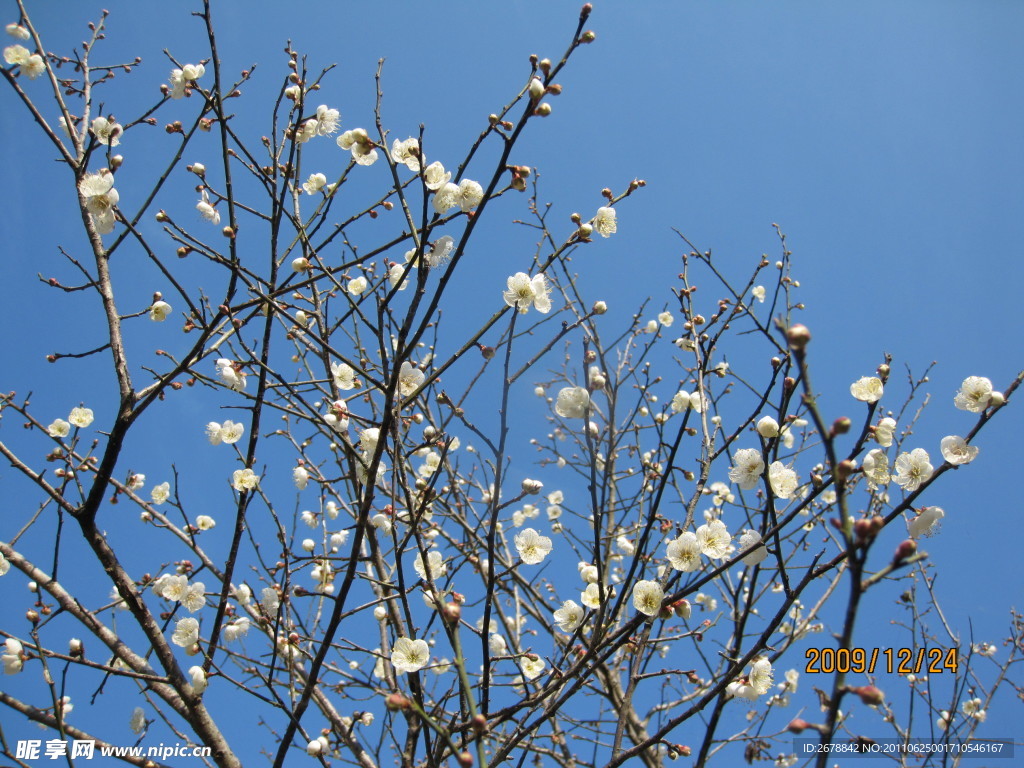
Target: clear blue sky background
[885, 139]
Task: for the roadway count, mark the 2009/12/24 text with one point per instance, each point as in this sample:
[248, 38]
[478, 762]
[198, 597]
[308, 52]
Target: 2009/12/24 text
[902, 661]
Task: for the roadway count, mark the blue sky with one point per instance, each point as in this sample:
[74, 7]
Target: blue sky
[884, 139]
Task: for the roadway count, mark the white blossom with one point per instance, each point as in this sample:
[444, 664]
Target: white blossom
[647, 597]
[228, 433]
[974, 394]
[747, 468]
[532, 547]
[956, 451]
[569, 616]
[409, 655]
[572, 402]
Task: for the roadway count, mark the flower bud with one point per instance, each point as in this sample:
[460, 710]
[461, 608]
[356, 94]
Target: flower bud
[542, 110]
[300, 264]
[906, 548]
[797, 725]
[683, 609]
[116, 161]
[588, 37]
[536, 89]
[996, 399]
[768, 427]
[599, 308]
[585, 231]
[397, 702]
[75, 648]
[798, 337]
[841, 425]
[844, 469]
[532, 486]
[868, 694]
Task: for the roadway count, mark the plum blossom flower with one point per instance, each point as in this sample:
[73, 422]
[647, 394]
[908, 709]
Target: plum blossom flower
[107, 132]
[569, 616]
[231, 374]
[885, 430]
[198, 677]
[357, 285]
[406, 153]
[11, 657]
[16, 54]
[470, 194]
[750, 543]
[5, 565]
[524, 290]
[912, 469]
[159, 311]
[868, 389]
[974, 708]
[327, 120]
[137, 723]
[974, 394]
[572, 402]
[532, 547]
[760, 676]
[435, 563]
[194, 598]
[17, 31]
[314, 183]
[531, 486]
[244, 480]
[591, 596]
[440, 251]
[876, 468]
[206, 210]
[713, 539]
[205, 522]
[409, 655]
[300, 476]
[956, 451]
[747, 468]
[467, 194]
[81, 417]
[160, 493]
[180, 78]
[758, 293]
[683, 400]
[684, 553]
[531, 666]
[228, 433]
[100, 197]
[270, 600]
[236, 629]
[59, 428]
[605, 222]
[926, 523]
[358, 141]
[666, 319]
[647, 597]
[783, 480]
[497, 645]
[186, 632]
[344, 376]
[410, 378]
[435, 176]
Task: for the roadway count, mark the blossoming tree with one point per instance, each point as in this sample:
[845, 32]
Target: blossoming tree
[358, 568]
